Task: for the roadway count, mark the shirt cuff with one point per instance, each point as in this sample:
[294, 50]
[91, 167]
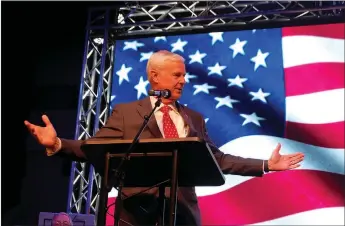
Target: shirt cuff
[55, 149]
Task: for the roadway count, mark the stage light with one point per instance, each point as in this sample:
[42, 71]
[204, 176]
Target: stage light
[120, 19]
[98, 40]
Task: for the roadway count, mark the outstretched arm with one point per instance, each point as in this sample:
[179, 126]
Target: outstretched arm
[112, 129]
[231, 164]
[47, 136]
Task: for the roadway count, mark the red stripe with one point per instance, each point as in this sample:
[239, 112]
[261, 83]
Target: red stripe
[272, 196]
[330, 135]
[325, 30]
[109, 220]
[314, 78]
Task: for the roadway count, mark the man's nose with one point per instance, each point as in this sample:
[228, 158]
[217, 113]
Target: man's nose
[182, 80]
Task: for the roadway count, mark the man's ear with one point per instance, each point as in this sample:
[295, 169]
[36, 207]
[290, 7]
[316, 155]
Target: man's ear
[154, 76]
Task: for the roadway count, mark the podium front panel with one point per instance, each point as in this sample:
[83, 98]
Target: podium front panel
[151, 161]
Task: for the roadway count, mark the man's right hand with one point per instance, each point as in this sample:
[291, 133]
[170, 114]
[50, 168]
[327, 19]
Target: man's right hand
[46, 136]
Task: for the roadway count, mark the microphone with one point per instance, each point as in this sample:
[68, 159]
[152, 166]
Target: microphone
[160, 93]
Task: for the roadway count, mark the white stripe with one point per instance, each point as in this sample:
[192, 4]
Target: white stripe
[261, 147]
[113, 193]
[300, 50]
[324, 216]
[316, 108]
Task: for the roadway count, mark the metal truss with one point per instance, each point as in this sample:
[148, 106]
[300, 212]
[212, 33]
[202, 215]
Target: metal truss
[106, 24]
[93, 110]
[157, 17]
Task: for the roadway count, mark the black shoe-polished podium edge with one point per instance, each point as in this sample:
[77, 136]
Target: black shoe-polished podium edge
[175, 162]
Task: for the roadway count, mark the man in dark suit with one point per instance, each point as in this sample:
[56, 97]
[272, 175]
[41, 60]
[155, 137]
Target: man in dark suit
[165, 70]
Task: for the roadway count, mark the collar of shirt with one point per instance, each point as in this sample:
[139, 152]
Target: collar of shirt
[153, 101]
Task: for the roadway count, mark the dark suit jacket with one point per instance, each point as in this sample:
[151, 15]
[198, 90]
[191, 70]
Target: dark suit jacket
[124, 123]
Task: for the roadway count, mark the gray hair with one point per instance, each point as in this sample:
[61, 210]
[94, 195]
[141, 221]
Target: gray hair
[158, 58]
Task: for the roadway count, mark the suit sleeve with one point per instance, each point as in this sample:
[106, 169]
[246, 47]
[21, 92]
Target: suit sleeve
[231, 164]
[113, 128]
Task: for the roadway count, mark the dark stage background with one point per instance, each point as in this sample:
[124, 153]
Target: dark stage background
[42, 51]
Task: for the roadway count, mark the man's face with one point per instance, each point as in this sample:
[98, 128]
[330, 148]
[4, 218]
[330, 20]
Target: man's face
[171, 76]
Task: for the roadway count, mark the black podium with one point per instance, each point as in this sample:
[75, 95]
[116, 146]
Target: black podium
[183, 162]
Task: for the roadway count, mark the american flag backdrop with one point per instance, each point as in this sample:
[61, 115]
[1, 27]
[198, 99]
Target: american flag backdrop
[256, 88]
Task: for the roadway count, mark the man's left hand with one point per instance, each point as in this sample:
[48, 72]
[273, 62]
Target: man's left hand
[278, 162]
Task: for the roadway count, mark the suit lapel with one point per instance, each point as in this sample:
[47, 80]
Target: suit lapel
[144, 108]
[192, 131]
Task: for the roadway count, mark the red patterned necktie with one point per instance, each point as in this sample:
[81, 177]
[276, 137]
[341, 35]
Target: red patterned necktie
[169, 127]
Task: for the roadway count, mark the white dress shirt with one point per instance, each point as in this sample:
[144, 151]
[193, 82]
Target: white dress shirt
[181, 127]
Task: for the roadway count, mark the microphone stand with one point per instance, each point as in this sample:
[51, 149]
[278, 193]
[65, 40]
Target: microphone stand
[119, 173]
